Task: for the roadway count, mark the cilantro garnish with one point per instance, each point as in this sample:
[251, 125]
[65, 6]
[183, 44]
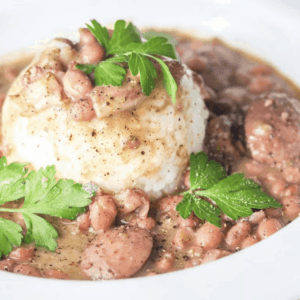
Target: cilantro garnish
[233, 195]
[42, 196]
[125, 46]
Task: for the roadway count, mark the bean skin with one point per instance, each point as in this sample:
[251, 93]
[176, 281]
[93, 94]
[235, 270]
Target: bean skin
[260, 85]
[56, 274]
[22, 254]
[27, 270]
[76, 84]
[209, 236]
[249, 241]
[268, 227]
[214, 254]
[86, 37]
[192, 221]
[147, 223]
[83, 222]
[184, 237]
[92, 53]
[166, 262]
[237, 234]
[291, 207]
[103, 212]
[7, 265]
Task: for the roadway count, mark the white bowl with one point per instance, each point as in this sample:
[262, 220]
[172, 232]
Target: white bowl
[267, 270]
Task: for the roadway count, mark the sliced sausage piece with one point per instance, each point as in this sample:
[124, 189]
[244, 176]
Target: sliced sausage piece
[272, 131]
[22, 254]
[103, 212]
[117, 253]
[28, 270]
[7, 265]
[56, 274]
[209, 236]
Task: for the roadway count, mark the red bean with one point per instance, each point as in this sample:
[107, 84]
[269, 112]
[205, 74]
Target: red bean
[168, 204]
[254, 168]
[166, 262]
[83, 222]
[83, 110]
[291, 190]
[56, 274]
[256, 217]
[209, 236]
[27, 270]
[22, 254]
[7, 265]
[291, 174]
[192, 221]
[184, 237]
[92, 53]
[129, 200]
[260, 85]
[195, 252]
[249, 241]
[291, 207]
[147, 223]
[186, 180]
[192, 263]
[214, 254]
[237, 234]
[268, 227]
[261, 70]
[274, 212]
[133, 142]
[196, 64]
[86, 37]
[103, 212]
[77, 84]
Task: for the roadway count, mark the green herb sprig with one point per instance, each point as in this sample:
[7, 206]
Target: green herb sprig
[234, 195]
[42, 195]
[125, 46]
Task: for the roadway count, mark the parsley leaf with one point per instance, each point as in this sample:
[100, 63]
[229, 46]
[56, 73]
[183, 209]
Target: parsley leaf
[234, 195]
[42, 195]
[100, 33]
[107, 73]
[204, 173]
[11, 180]
[141, 64]
[10, 235]
[157, 46]
[122, 36]
[125, 46]
[40, 231]
[169, 81]
[87, 69]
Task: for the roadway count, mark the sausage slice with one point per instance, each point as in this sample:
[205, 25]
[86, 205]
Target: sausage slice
[117, 253]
